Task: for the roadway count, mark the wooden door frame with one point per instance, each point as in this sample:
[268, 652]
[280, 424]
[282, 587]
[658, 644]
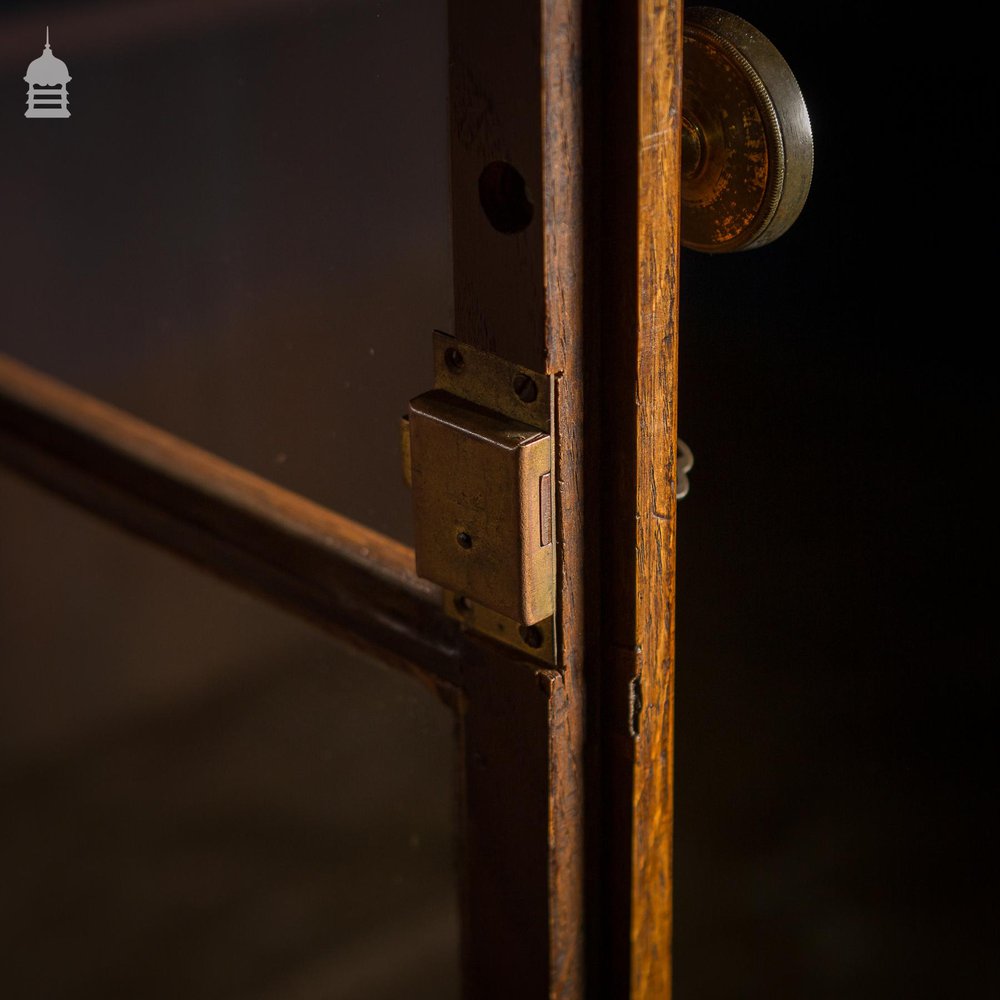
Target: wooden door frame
[566, 770]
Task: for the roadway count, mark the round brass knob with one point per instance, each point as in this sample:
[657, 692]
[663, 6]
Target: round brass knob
[746, 141]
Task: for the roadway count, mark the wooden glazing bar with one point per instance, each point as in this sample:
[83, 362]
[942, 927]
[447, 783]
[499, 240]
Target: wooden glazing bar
[353, 582]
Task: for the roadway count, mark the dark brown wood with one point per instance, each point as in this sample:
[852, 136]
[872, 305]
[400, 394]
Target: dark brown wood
[640, 186]
[520, 876]
[565, 350]
[495, 90]
[506, 726]
[351, 581]
[516, 97]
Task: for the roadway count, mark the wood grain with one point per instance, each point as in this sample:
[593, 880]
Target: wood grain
[516, 96]
[565, 342]
[495, 93]
[658, 238]
[351, 581]
[639, 239]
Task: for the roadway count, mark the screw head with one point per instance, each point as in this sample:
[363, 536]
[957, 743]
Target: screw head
[525, 388]
[531, 635]
[454, 360]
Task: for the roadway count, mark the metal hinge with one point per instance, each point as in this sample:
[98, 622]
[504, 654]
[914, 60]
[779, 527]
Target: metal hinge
[477, 453]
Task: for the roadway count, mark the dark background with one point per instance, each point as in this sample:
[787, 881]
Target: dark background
[835, 682]
[211, 238]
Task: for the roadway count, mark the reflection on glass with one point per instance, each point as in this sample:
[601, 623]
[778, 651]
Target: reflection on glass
[202, 797]
[242, 232]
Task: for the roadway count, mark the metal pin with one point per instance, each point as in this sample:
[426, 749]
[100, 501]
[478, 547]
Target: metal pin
[685, 463]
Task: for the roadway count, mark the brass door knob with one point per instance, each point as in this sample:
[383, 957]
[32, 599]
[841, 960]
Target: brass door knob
[746, 141]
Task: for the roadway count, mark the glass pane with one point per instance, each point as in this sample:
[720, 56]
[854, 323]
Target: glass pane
[202, 797]
[242, 231]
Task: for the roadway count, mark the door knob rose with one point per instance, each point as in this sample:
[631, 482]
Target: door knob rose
[746, 139]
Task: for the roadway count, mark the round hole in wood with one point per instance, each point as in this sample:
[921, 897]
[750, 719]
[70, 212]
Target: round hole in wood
[504, 198]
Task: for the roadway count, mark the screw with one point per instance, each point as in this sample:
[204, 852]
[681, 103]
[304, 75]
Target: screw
[464, 539]
[454, 360]
[462, 604]
[525, 388]
[531, 635]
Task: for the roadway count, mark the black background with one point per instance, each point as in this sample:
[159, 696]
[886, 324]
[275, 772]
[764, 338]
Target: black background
[834, 715]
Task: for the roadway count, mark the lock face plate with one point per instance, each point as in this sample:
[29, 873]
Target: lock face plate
[482, 505]
[477, 453]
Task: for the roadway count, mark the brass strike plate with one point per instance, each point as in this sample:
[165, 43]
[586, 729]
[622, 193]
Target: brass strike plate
[478, 456]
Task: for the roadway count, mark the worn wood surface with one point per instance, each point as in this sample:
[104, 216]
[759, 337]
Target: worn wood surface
[495, 94]
[565, 342]
[658, 237]
[516, 97]
[506, 714]
[639, 254]
[353, 582]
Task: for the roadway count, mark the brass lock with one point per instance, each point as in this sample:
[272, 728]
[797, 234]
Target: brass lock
[477, 454]
[746, 139]
[477, 449]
